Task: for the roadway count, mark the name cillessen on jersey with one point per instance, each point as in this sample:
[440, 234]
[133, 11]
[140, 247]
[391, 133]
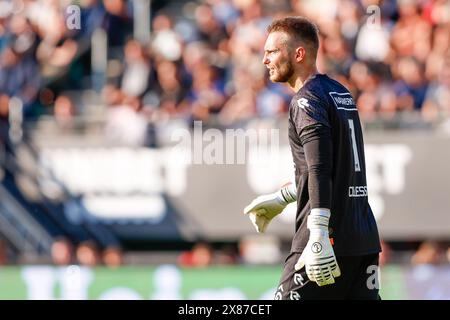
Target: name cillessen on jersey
[357, 191]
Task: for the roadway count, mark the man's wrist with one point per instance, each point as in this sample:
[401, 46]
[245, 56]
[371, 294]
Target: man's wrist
[288, 193]
[319, 232]
[318, 219]
[322, 212]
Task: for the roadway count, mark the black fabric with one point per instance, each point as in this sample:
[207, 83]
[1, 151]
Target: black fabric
[358, 281]
[327, 146]
[318, 154]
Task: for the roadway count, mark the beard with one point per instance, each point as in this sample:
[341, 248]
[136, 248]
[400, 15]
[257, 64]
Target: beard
[283, 73]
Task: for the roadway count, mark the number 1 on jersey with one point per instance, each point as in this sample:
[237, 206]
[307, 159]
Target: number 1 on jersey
[355, 149]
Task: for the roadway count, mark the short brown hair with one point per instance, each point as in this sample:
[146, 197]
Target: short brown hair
[300, 29]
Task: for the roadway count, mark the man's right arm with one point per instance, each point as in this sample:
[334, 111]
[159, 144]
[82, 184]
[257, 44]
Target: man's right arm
[264, 208]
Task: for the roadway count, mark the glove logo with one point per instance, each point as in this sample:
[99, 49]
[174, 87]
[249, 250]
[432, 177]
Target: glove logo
[294, 295]
[316, 247]
[278, 294]
[298, 279]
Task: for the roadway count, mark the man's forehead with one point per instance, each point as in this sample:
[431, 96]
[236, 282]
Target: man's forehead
[276, 39]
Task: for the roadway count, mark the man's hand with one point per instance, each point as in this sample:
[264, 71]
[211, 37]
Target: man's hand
[260, 222]
[318, 256]
[264, 208]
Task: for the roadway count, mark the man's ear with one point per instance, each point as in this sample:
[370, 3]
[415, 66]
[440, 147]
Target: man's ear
[300, 54]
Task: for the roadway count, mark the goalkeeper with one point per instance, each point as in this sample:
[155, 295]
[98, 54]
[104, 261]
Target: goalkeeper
[336, 245]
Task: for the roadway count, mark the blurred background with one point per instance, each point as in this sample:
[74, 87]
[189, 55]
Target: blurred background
[95, 201]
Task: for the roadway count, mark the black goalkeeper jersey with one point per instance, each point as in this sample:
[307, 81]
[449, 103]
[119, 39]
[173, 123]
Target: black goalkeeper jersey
[328, 151]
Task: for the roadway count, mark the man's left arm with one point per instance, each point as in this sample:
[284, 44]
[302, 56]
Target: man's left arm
[318, 257]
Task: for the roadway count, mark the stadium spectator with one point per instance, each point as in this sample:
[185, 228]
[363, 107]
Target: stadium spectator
[92, 15]
[137, 70]
[166, 43]
[227, 255]
[62, 252]
[87, 254]
[411, 85]
[210, 29]
[64, 111]
[201, 255]
[205, 94]
[436, 105]
[117, 21]
[124, 123]
[112, 257]
[429, 252]
[167, 98]
[19, 76]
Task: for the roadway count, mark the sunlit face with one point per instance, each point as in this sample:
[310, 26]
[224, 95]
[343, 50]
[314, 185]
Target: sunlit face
[276, 57]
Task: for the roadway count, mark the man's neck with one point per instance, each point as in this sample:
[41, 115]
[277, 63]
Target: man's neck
[300, 77]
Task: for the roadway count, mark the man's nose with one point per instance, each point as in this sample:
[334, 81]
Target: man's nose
[265, 60]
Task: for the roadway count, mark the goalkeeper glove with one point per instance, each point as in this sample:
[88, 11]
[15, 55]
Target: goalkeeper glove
[318, 256]
[264, 208]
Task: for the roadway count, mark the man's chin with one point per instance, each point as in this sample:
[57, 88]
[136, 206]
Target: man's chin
[274, 78]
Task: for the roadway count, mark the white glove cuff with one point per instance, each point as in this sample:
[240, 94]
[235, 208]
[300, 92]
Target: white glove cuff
[324, 212]
[288, 194]
[319, 219]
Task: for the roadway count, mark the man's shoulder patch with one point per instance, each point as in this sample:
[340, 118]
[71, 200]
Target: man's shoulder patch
[343, 101]
[303, 103]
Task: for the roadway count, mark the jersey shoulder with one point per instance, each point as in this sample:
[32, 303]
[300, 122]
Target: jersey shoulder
[313, 93]
[312, 88]
[310, 106]
[337, 95]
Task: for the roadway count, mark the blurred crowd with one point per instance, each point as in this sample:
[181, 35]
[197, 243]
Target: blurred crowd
[249, 250]
[268, 251]
[203, 61]
[64, 253]
[87, 253]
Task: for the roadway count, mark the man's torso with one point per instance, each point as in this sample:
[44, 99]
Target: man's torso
[352, 225]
